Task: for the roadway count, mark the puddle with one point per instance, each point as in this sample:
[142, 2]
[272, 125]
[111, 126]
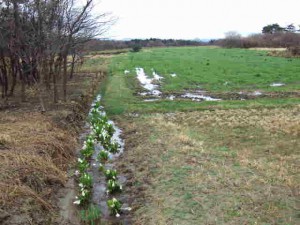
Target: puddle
[151, 93]
[151, 100]
[152, 88]
[256, 93]
[171, 97]
[156, 92]
[198, 97]
[277, 84]
[245, 94]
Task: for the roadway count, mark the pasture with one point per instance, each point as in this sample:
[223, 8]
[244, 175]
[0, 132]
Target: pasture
[194, 160]
[232, 75]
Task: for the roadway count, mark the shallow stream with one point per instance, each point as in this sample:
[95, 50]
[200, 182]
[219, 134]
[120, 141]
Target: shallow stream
[99, 190]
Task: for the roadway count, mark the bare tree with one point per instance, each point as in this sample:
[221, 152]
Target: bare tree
[36, 38]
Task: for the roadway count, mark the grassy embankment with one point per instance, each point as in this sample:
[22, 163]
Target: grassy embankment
[236, 163]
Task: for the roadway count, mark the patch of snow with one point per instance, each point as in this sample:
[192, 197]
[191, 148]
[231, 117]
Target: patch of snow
[277, 84]
[256, 93]
[171, 97]
[145, 80]
[156, 76]
[173, 74]
[126, 72]
[151, 100]
[196, 97]
[143, 93]
[156, 92]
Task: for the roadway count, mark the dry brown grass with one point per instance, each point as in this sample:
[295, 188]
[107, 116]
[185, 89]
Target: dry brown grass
[34, 157]
[36, 151]
[269, 49]
[216, 167]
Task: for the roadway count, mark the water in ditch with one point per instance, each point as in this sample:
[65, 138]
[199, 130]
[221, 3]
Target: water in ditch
[99, 191]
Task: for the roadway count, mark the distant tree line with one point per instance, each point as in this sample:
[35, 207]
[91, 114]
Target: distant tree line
[272, 35]
[36, 38]
[100, 45]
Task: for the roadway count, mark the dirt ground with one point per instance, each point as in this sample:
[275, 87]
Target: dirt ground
[36, 150]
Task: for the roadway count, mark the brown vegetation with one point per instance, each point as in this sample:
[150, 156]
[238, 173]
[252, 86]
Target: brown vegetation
[102, 45]
[287, 40]
[230, 166]
[36, 151]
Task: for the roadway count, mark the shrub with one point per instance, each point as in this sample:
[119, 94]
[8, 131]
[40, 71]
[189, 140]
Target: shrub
[295, 50]
[136, 48]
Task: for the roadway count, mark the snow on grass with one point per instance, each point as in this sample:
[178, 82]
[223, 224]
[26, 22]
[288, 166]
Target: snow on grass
[196, 97]
[145, 81]
[277, 84]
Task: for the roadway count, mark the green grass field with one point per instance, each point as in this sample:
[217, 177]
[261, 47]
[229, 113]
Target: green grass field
[215, 69]
[219, 71]
[210, 162]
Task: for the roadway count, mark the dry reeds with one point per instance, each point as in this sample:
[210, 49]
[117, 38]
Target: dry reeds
[34, 157]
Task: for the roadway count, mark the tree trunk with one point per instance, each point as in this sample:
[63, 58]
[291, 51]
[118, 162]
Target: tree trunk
[65, 77]
[47, 71]
[72, 65]
[4, 80]
[23, 88]
[54, 76]
[14, 75]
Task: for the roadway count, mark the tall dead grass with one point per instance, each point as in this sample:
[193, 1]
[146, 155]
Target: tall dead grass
[35, 154]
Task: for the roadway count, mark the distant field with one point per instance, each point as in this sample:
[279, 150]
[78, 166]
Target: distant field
[216, 69]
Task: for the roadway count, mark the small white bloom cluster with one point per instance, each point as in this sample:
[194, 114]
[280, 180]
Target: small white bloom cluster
[80, 160]
[115, 206]
[77, 201]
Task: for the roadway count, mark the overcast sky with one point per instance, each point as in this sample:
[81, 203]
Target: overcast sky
[189, 19]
